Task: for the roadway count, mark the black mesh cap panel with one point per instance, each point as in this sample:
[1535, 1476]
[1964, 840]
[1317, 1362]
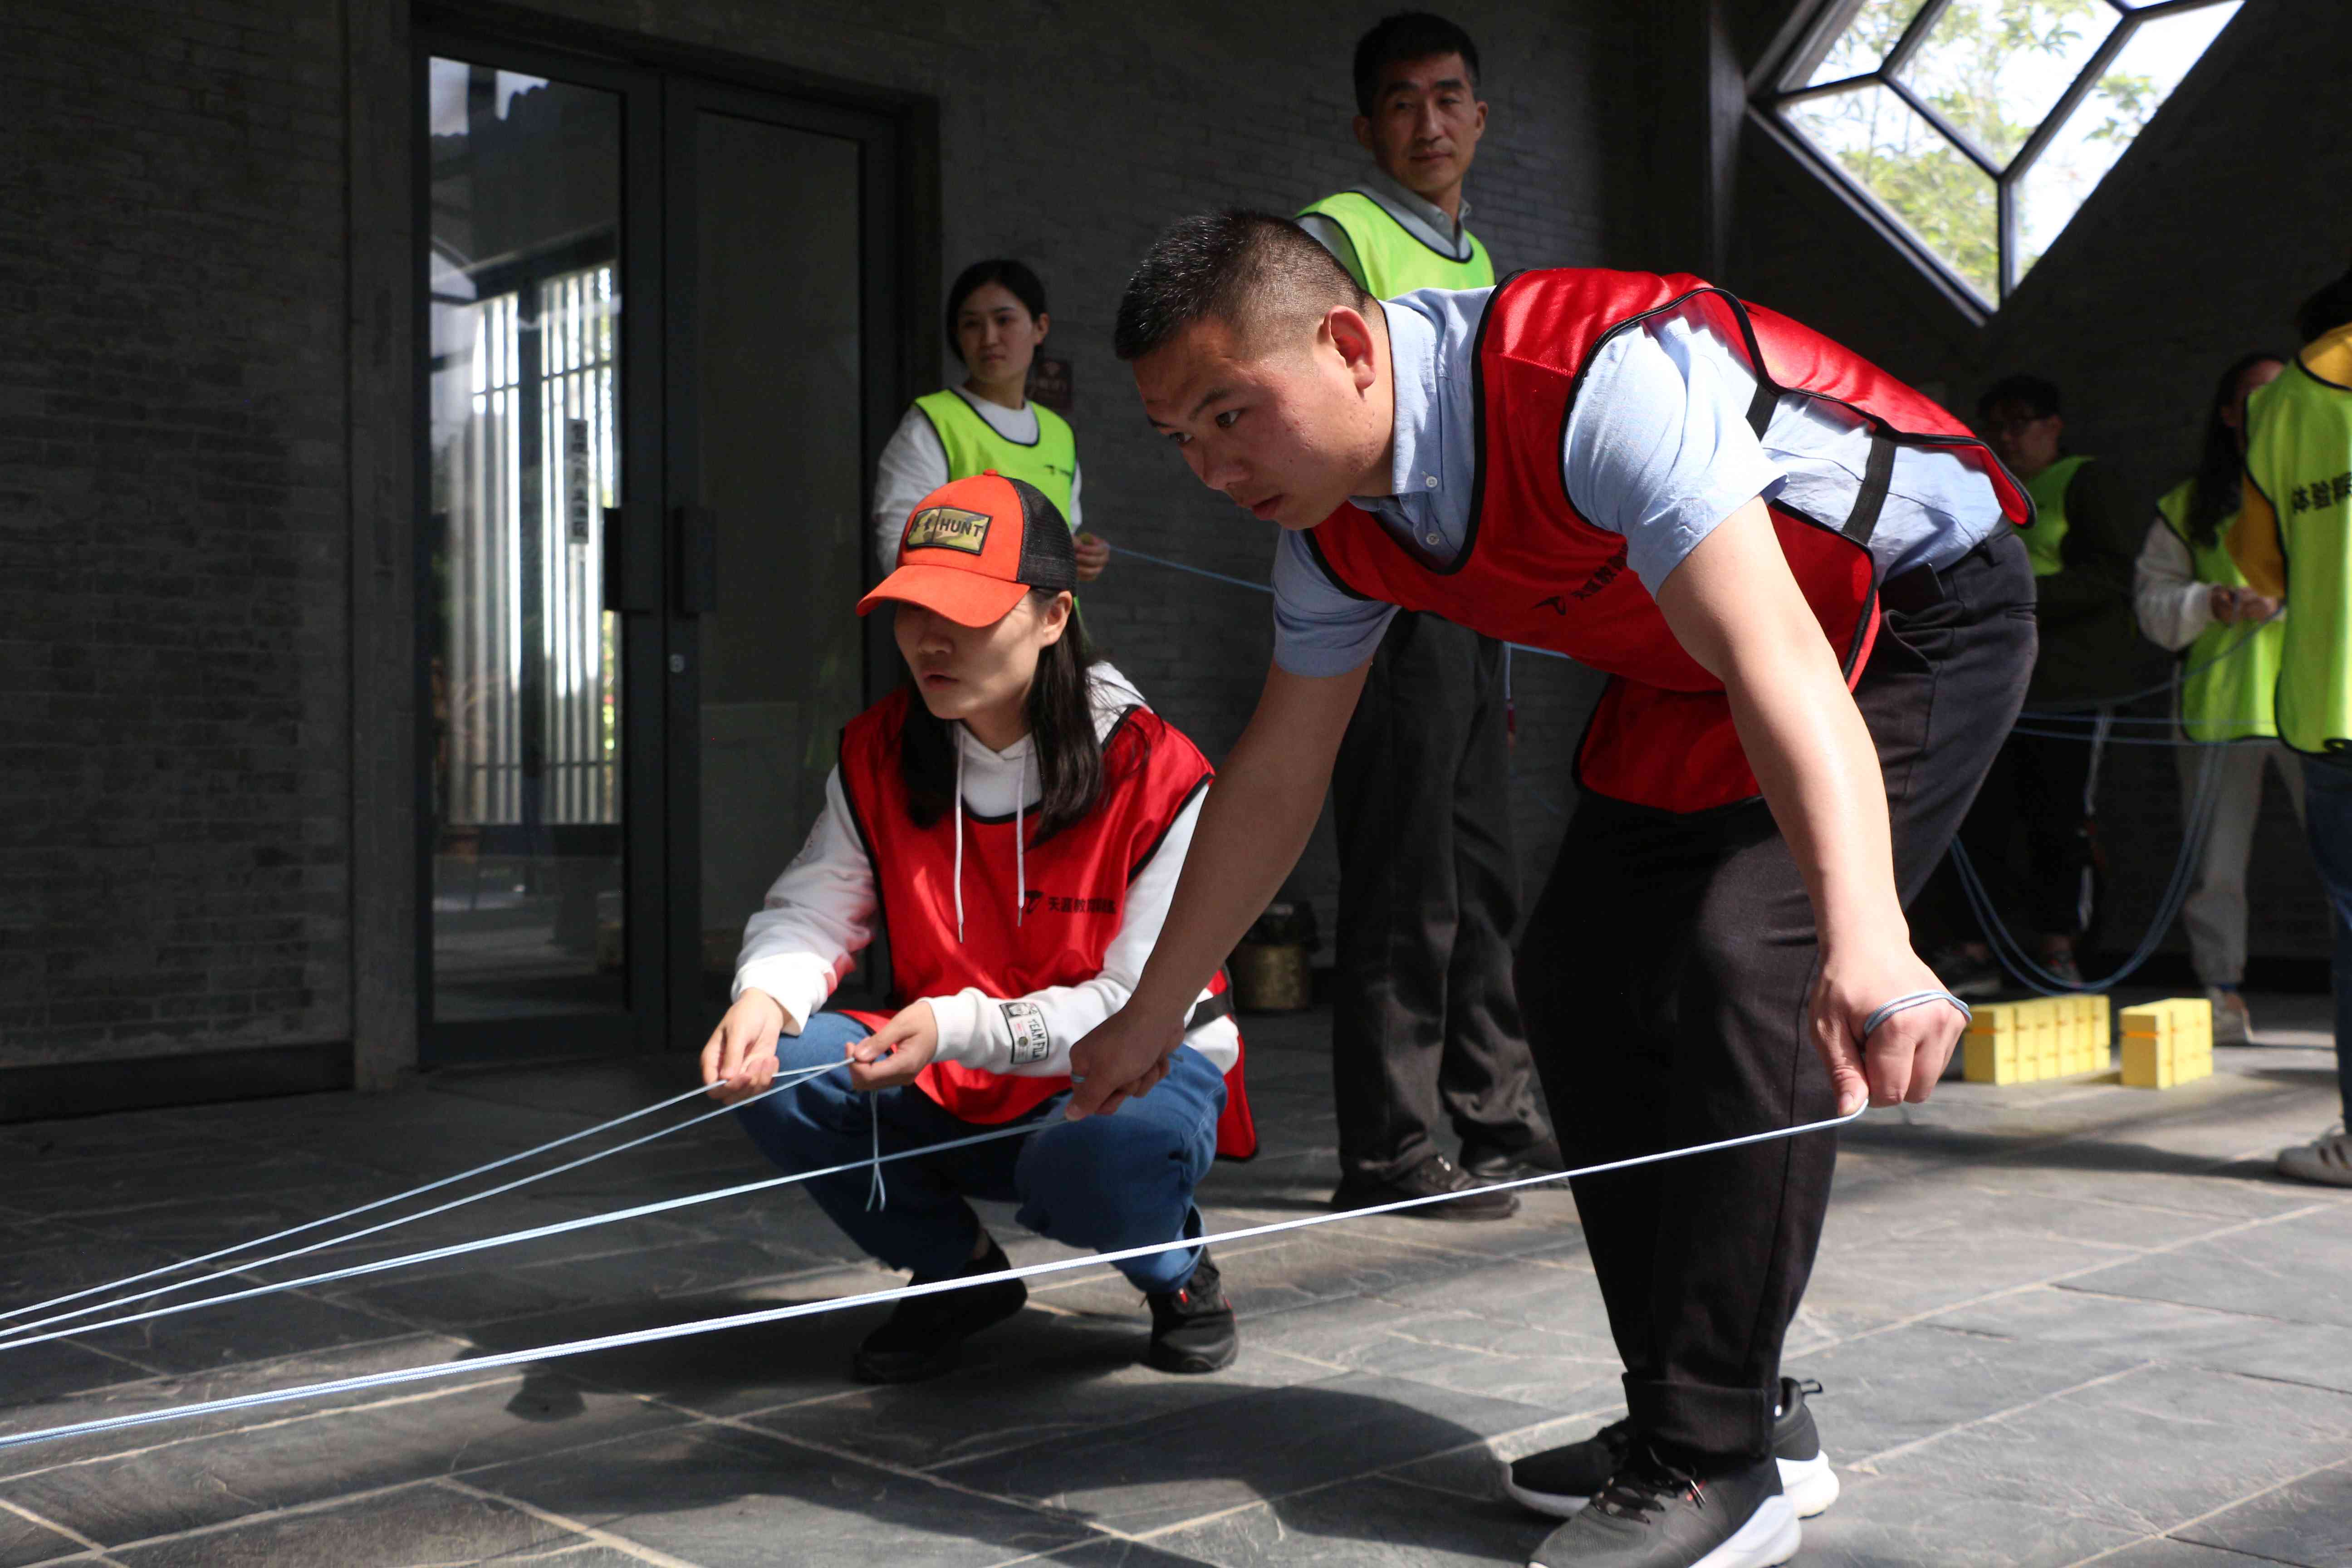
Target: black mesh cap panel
[1049, 560]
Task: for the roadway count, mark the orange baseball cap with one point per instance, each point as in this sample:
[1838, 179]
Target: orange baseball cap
[972, 547]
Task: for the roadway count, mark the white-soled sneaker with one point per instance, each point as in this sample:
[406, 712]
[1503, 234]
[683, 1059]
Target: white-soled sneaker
[1806, 1477]
[2326, 1159]
[1655, 1515]
[1559, 1481]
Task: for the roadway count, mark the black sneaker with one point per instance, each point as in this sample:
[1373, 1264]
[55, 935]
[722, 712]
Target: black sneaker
[1654, 1515]
[1559, 1481]
[1192, 1326]
[1806, 1479]
[1434, 1175]
[924, 1335]
[1539, 1159]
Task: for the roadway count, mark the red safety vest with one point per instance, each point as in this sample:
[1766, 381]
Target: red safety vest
[1532, 570]
[1072, 906]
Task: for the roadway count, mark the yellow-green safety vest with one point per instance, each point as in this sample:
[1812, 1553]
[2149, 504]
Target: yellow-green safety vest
[1393, 262]
[2300, 456]
[973, 447]
[2048, 490]
[2231, 667]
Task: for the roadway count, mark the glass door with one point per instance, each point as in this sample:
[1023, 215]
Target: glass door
[535, 680]
[769, 450]
[661, 352]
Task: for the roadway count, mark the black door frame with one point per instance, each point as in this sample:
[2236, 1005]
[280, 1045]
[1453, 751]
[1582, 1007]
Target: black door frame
[661, 86]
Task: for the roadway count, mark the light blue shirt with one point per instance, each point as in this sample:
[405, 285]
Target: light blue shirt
[1658, 448]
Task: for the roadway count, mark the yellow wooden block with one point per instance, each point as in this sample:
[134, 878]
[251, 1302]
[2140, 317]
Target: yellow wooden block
[2148, 1062]
[1985, 1058]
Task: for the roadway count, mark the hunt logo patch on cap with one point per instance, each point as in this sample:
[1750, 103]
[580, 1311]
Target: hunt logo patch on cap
[974, 548]
[948, 528]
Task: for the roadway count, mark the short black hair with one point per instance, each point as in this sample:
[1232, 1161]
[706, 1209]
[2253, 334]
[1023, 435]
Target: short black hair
[1018, 280]
[1407, 36]
[1237, 266]
[2324, 311]
[2039, 394]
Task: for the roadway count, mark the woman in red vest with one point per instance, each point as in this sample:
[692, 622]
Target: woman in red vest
[1016, 821]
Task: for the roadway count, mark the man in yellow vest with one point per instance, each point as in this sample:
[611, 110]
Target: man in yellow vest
[2082, 547]
[2292, 540]
[1426, 1022]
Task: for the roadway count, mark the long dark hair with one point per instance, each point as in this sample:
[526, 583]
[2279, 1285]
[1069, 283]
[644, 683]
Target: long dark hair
[1061, 729]
[1019, 281]
[2214, 495]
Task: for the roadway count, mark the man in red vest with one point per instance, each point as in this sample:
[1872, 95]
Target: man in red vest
[1803, 579]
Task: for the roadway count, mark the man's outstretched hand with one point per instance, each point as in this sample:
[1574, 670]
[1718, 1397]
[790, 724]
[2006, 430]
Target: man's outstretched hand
[1902, 1061]
[1122, 1058]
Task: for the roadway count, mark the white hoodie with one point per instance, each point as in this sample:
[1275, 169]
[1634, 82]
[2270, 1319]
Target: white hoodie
[820, 912]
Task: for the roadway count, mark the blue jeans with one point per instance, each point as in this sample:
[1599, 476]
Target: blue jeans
[2327, 821]
[1106, 1182]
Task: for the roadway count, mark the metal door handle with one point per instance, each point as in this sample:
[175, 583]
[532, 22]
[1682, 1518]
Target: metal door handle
[694, 533]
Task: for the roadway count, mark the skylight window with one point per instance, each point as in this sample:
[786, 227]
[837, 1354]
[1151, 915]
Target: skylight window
[1980, 127]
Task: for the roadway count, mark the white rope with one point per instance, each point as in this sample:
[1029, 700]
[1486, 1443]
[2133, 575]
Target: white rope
[838, 1303]
[510, 1238]
[1886, 1010]
[347, 1214]
[783, 1082]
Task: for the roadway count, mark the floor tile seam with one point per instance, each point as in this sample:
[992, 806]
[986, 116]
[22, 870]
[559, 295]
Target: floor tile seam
[2097, 1201]
[1056, 1554]
[931, 1477]
[2168, 1532]
[2047, 1282]
[1868, 1464]
[43, 1522]
[591, 1534]
[2202, 1307]
[2155, 1116]
[1420, 1246]
[299, 1418]
[268, 1515]
[158, 1374]
[1379, 1472]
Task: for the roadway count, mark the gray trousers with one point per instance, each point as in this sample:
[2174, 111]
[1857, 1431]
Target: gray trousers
[2215, 912]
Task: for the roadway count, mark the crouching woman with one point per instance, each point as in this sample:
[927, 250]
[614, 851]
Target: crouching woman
[1015, 819]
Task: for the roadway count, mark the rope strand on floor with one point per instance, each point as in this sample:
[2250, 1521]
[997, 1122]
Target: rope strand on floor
[397, 1376]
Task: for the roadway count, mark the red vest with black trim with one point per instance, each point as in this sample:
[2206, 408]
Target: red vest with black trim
[1073, 907]
[1532, 570]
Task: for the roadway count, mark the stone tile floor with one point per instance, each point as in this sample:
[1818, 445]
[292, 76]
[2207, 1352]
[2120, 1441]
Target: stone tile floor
[2056, 1324]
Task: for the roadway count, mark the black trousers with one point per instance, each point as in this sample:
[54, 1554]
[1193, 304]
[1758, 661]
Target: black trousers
[1666, 972]
[2036, 791]
[1425, 1023]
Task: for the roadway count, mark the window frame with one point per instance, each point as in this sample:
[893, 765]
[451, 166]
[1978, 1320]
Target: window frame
[1782, 84]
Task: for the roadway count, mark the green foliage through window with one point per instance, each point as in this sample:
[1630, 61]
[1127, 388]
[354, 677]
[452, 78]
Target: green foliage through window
[1936, 108]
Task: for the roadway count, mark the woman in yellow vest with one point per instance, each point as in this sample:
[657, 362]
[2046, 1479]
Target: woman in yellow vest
[995, 322]
[2191, 598]
[2292, 540]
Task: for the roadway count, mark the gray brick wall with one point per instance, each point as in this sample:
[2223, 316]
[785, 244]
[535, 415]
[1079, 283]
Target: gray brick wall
[175, 570]
[173, 799]
[1137, 120]
[2223, 215]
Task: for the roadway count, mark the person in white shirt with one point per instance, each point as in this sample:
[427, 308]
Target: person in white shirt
[1016, 819]
[2191, 598]
[996, 322]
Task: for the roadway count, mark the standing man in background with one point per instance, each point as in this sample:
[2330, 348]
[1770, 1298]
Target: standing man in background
[2082, 546]
[2292, 540]
[1426, 1022]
